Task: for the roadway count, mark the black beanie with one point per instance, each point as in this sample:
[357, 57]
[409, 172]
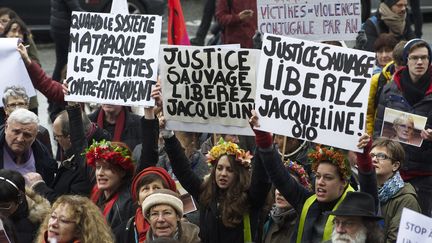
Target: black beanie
[390, 3]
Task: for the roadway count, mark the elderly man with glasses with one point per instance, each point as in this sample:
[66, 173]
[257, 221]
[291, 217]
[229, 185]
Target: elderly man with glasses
[355, 220]
[15, 97]
[411, 91]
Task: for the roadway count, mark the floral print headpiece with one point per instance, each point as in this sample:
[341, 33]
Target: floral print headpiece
[229, 148]
[111, 153]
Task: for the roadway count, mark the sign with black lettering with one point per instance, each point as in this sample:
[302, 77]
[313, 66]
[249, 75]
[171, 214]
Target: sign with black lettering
[313, 91]
[310, 19]
[113, 58]
[208, 89]
[414, 227]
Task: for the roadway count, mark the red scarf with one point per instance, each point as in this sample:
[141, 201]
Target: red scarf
[141, 225]
[95, 195]
[119, 125]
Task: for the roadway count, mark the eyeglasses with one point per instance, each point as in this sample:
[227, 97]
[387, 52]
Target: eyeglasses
[163, 214]
[380, 156]
[16, 105]
[344, 224]
[6, 205]
[416, 58]
[61, 219]
[405, 126]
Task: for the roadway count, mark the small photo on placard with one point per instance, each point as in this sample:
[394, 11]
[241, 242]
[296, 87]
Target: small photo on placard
[403, 127]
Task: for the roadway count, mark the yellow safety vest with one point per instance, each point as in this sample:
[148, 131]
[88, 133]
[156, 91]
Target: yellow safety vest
[247, 235]
[329, 223]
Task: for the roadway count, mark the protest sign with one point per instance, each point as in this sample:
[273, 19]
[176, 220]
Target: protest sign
[313, 91]
[403, 127]
[13, 70]
[113, 58]
[310, 19]
[208, 89]
[414, 227]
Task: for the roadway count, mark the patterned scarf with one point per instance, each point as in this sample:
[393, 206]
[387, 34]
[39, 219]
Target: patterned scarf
[395, 22]
[390, 188]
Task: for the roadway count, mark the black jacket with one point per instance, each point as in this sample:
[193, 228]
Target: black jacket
[373, 30]
[45, 165]
[61, 11]
[417, 158]
[71, 177]
[131, 134]
[212, 229]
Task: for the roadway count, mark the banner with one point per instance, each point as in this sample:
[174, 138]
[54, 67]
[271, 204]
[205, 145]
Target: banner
[313, 91]
[414, 227]
[177, 32]
[13, 70]
[310, 19]
[113, 58]
[208, 89]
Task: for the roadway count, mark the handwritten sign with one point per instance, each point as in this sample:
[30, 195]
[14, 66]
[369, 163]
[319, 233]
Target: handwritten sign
[208, 86]
[313, 91]
[113, 58]
[310, 19]
[414, 227]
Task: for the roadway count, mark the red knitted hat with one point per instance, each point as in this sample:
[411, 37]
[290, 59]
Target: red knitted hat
[161, 172]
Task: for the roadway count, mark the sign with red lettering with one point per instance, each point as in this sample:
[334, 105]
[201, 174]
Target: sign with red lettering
[310, 19]
[313, 91]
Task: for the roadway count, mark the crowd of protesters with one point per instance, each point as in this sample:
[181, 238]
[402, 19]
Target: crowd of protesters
[113, 177]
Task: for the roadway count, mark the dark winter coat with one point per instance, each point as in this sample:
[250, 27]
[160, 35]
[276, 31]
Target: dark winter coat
[417, 158]
[61, 11]
[132, 134]
[73, 177]
[45, 165]
[212, 229]
[372, 31]
[294, 193]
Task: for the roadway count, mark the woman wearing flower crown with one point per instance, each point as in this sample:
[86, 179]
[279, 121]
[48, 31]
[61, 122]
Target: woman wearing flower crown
[229, 201]
[114, 170]
[332, 171]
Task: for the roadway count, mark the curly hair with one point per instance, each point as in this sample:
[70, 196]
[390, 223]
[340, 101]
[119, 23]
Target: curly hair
[91, 225]
[234, 200]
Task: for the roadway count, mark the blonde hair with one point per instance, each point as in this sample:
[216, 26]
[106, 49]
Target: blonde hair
[91, 225]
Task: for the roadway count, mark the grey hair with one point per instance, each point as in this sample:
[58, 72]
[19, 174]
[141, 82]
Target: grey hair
[15, 91]
[23, 116]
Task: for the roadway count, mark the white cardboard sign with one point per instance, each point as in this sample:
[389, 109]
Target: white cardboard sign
[113, 58]
[313, 91]
[208, 89]
[414, 227]
[310, 19]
